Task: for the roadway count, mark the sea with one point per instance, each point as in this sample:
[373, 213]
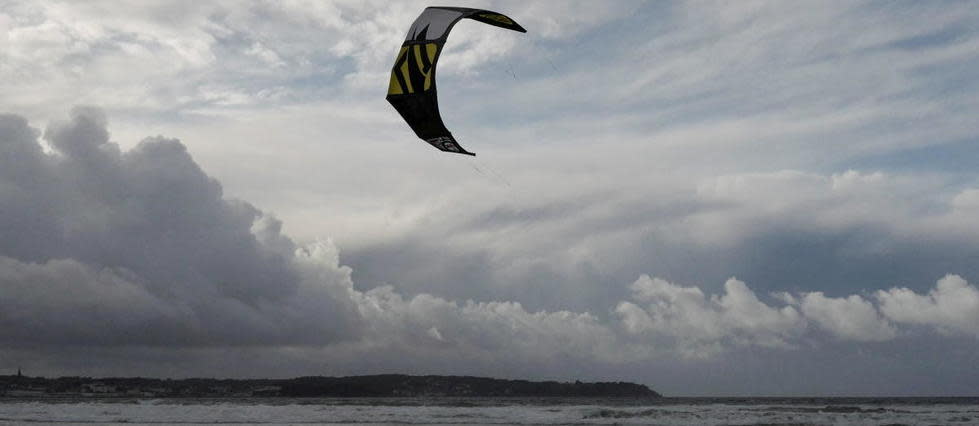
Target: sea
[492, 411]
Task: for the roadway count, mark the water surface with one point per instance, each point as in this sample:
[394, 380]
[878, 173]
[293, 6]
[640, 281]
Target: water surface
[496, 411]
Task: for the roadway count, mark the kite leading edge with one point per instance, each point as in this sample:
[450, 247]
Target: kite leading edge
[412, 87]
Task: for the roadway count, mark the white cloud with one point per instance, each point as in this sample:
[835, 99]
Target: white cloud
[151, 58]
[966, 201]
[952, 307]
[848, 318]
[482, 331]
[700, 324]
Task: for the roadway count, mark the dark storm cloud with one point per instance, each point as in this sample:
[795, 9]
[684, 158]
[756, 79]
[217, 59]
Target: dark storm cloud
[106, 247]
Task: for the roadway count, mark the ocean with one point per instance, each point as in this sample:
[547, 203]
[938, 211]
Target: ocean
[494, 411]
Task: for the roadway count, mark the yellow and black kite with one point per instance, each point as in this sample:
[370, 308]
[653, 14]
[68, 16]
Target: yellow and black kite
[412, 87]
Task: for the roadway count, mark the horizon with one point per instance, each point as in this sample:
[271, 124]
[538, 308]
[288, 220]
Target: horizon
[566, 381]
[289, 378]
[706, 198]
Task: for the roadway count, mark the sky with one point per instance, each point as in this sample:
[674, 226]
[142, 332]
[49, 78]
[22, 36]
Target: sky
[710, 198]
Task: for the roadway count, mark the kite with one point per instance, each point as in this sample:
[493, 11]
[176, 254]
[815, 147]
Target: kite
[412, 87]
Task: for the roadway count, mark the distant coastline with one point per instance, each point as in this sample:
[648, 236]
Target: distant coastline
[382, 385]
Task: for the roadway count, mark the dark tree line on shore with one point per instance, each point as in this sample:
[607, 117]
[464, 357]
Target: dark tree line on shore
[385, 385]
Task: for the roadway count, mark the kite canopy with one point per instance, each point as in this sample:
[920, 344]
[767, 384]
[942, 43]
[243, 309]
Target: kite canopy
[412, 87]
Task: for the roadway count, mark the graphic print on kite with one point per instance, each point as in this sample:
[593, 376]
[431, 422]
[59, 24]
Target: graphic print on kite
[412, 87]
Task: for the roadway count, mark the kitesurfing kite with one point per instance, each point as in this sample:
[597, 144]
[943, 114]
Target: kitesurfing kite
[412, 87]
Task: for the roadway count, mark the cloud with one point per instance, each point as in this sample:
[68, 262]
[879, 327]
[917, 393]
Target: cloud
[149, 238]
[851, 318]
[141, 248]
[966, 201]
[952, 307]
[482, 332]
[565, 243]
[66, 302]
[700, 324]
[164, 58]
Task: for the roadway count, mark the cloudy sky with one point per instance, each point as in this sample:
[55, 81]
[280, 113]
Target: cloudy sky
[730, 198]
